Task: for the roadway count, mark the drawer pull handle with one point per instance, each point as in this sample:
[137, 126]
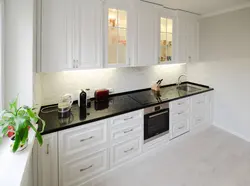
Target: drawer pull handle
[81, 170]
[126, 119]
[180, 113]
[181, 127]
[127, 131]
[47, 152]
[181, 103]
[91, 137]
[129, 150]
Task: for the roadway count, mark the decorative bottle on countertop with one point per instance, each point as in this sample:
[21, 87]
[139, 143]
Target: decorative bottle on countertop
[88, 98]
[83, 99]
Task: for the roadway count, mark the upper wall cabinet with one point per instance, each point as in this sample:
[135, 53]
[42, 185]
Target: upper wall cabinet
[118, 33]
[84, 34]
[71, 35]
[53, 43]
[87, 40]
[147, 34]
[187, 30]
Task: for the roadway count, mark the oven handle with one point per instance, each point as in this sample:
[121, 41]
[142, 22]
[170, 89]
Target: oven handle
[158, 114]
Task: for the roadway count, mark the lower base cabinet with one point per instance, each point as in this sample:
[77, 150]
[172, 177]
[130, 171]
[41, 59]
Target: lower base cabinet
[78, 171]
[48, 161]
[75, 156]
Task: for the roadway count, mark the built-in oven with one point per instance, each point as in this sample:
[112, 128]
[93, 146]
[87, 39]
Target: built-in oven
[156, 122]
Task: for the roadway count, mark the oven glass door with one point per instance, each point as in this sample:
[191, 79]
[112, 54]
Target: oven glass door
[156, 123]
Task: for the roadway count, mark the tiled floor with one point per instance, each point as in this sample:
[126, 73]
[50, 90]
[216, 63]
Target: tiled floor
[210, 157]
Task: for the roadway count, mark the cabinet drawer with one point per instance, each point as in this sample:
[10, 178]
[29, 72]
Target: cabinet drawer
[197, 121]
[78, 171]
[82, 138]
[180, 128]
[179, 116]
[199, 99]
[119, 121]
[179, 105]
[126, 150]
[133, 128]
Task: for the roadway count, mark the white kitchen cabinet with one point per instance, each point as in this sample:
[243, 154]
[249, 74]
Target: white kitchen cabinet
[200, 110]
[148, 30]
[179, 117]
[55, 38]
[87, 34]
[119, 24]
[71, 35]
[187, 39]
[83, 153]
[77, 171]
[48, 161]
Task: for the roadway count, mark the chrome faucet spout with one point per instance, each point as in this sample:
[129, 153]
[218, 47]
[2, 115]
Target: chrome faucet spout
[179, 80]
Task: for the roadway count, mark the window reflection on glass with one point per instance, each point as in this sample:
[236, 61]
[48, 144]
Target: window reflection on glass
[166, 40]
[117, 36]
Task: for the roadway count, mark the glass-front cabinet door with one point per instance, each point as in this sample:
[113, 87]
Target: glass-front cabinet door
[116, 34]
[166, 40]
[166, 36]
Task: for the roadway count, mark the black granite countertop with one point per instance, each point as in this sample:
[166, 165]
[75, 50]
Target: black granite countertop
[118, 104]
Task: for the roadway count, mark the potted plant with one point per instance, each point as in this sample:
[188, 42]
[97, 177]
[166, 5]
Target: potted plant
[16, 123]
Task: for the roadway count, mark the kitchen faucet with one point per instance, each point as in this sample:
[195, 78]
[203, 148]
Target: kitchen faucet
[179, 80]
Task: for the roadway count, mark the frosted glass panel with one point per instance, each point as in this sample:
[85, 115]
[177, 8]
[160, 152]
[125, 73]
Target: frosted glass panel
[117, 36]
[166, 40]
[169, 25]
[122, 19]
[112, 45]
[122, 46]
[163, 25]
[112, 17]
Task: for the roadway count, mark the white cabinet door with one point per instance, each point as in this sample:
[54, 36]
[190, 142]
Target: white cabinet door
[182, 40]
[187, 30]
[55, 49]
[48, 161]
[87, 34]
[147, 34]
[192, 49]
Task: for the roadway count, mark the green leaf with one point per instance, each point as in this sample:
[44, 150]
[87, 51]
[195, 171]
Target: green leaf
[25, 135]
[16, 142]
[13, 105]
[43, 124]
[38, 135]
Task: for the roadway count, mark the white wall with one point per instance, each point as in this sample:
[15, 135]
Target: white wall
[19, 51]
[54, 85]
[225, 65]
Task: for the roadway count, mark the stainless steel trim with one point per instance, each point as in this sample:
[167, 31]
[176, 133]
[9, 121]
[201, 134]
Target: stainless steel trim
[126, 119]
[81, 170]
[127, 131]
[155, 137]
[47, 149]
[82, 140]
[129, 150]
[158, 114]
[152, 109]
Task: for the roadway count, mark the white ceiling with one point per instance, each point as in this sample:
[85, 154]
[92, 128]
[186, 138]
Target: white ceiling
[202, 6]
